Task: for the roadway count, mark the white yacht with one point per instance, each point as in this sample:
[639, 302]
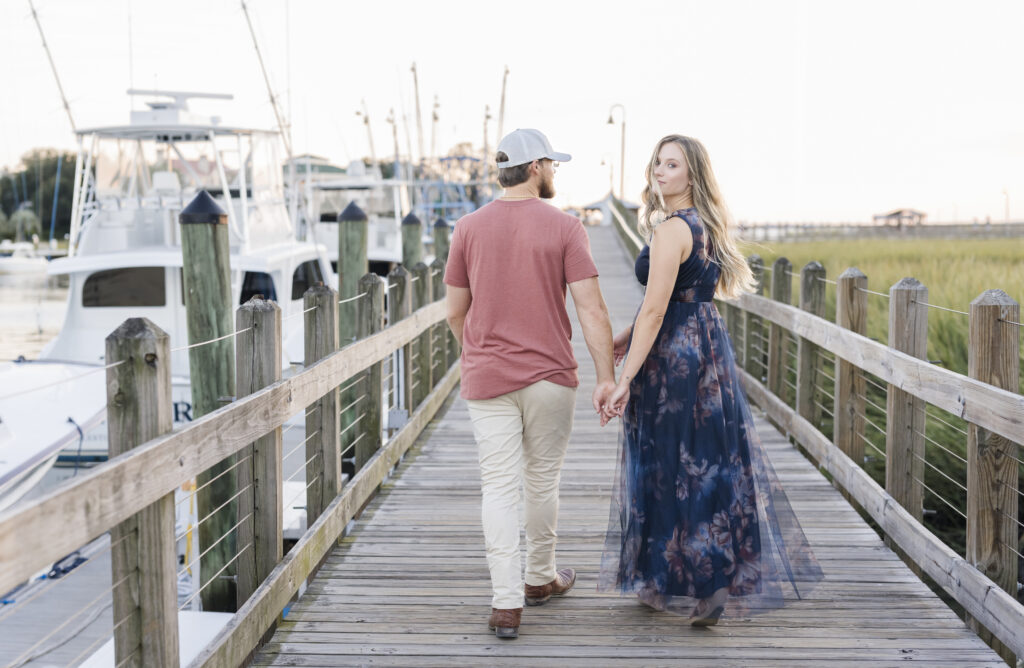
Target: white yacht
[124, 260]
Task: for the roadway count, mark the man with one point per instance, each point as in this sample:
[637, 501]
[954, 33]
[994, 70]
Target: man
[508, 267]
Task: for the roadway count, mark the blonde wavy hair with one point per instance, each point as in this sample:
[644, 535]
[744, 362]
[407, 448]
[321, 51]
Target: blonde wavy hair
[735, 277]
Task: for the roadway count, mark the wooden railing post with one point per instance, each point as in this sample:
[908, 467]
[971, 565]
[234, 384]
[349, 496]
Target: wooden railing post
[905, 423]
[777, 337]
[752, 323]
[353, 232]
[442, 239]
[399, 308]
[439, 333]
[421, 296]
[412, 240]
[143, 554]
[992, 477]
[323, 450]
[208, 308]
[812, 300]
[371, 321]
[850, 387]
[258, 364]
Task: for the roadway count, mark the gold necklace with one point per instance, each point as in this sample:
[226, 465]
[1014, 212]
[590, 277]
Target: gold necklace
[516, 197]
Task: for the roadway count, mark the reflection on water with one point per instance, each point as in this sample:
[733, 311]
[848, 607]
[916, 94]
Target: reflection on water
[31, 313]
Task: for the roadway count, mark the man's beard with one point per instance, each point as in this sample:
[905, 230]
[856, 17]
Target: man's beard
[547, 188]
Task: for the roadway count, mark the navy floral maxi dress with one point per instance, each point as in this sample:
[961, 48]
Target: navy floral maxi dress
[697, 505]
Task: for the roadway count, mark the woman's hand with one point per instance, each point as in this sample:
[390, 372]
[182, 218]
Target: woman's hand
[620, 343]
[615, 404]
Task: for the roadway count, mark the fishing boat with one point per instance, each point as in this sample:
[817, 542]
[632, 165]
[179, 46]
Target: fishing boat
[124, 260]
[22, 259]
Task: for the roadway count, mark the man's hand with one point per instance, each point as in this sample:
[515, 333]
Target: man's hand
[615, 403]
[600, 398]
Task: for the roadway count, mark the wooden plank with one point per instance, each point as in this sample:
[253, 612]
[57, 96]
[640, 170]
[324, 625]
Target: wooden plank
[37, 533]
[142, 559]
[992, 474]
[240, 635]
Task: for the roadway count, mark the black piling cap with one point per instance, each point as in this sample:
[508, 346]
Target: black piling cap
[411, 219]
[203, 209]
[440, 222]
[352, 214]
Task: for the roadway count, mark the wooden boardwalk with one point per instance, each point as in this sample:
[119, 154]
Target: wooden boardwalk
[409, 585]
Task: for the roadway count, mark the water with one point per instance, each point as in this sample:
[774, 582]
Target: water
[31, 313]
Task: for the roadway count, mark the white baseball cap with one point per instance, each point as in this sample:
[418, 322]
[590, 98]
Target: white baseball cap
[526, 145]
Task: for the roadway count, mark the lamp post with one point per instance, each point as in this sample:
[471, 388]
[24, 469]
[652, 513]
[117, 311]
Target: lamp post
[622, 158]
[1006, 197]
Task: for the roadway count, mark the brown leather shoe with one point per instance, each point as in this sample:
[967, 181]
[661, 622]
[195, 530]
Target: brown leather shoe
[505, 622]
[541, 594]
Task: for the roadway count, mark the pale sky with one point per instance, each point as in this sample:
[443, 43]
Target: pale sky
[811, 111]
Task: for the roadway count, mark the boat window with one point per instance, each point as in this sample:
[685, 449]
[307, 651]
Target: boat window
[125, 286]
[257, 283]
[306, 276]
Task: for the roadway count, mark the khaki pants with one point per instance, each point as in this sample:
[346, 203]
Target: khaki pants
[522, 438]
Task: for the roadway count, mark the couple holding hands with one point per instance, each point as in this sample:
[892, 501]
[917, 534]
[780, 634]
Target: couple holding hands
[699, 524]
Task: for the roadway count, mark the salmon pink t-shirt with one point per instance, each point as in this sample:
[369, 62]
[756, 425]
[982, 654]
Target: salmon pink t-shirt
[516, 258]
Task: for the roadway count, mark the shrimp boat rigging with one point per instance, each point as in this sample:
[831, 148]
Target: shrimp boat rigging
[124, 260]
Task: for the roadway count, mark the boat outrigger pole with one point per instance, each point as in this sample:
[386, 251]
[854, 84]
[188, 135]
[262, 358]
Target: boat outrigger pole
[286, 130]
[53, 67]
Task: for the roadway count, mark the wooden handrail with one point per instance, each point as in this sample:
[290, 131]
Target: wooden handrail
[997, 410]
[43, 530]
[629, 235]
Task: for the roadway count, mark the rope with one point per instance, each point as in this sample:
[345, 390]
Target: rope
[59, 382]
[203, 343]
[872, 292]
[352, 299]
[942, 308]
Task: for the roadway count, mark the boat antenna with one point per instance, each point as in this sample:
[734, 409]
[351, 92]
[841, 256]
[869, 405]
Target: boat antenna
[53, 67]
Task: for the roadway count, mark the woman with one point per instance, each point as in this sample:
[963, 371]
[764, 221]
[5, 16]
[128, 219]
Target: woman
[699, 522]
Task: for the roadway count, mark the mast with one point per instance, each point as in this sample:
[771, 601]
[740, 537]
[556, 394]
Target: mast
[53, 67]
[286, 130]
[365, 113]
[419, 116]
[501, 109]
